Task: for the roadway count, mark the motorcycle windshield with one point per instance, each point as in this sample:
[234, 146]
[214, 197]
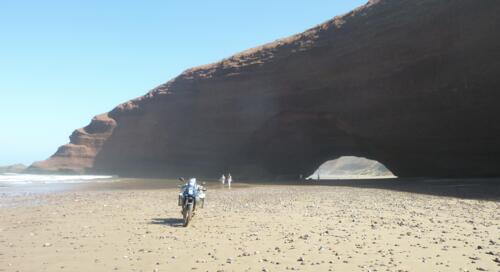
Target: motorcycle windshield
[190, 190]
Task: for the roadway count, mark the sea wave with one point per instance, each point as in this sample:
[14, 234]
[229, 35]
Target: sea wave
[12, 179]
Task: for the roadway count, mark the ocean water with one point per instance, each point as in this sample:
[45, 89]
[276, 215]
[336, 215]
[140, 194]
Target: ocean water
[29, 186]
[11, 179]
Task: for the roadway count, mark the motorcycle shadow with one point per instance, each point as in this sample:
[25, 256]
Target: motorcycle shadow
[173, 222]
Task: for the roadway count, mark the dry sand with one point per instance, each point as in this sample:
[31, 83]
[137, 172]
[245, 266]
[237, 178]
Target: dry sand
[252, 228]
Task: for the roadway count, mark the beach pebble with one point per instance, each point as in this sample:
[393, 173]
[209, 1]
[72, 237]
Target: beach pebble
[390, 247]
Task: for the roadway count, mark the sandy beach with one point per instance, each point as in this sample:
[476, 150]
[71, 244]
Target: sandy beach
[132, 227]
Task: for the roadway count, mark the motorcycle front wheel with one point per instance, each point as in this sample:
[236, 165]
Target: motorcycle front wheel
[187, 214]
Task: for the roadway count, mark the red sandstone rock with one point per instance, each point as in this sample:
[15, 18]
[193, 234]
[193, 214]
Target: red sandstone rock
[412, 84]
[78, 156]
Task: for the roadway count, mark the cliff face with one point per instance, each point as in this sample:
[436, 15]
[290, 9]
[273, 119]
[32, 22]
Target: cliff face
[412, 84]
[85, 143]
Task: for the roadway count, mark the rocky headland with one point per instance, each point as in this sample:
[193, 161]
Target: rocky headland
[411, 84]
[14, 168]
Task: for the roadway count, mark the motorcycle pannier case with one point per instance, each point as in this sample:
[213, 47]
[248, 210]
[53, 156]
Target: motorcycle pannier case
[180, 200]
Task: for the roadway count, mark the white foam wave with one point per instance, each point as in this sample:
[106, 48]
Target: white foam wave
[11, 179]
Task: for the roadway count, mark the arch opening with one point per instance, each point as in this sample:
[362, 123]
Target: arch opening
[351, 167]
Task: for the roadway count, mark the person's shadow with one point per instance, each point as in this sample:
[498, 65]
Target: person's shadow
[173, 222]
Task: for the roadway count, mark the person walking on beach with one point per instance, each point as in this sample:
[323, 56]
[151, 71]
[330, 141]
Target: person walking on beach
[223, 179]
[229, 179]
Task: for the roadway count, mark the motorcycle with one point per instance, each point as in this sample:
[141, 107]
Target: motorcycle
[190, 197]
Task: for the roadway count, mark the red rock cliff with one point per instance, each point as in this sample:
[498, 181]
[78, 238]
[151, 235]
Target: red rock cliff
[412, 84]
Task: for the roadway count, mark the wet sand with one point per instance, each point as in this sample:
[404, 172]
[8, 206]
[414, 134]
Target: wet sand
[135, 226]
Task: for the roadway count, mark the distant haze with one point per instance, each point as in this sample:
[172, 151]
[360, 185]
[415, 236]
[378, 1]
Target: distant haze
[350, 167]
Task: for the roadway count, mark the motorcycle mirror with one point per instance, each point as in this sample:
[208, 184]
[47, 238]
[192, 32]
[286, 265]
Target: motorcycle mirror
[182, 179]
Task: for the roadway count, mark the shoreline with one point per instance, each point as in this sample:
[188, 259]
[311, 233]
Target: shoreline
[466, 188]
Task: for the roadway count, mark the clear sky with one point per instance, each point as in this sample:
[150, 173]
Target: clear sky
[62, 62]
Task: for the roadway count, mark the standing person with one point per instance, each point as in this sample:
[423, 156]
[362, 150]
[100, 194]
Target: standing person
[223, 179]
[229, 179]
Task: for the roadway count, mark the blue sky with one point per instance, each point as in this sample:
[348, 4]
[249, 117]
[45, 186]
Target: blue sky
[62, 62]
